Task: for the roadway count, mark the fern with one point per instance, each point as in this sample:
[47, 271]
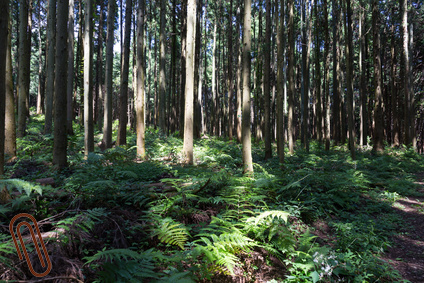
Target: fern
[21, 185]
[171, 233]
[269, 214]
[113, 255]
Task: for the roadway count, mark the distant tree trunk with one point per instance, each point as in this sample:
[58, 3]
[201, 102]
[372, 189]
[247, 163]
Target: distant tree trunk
[107, 122]
[51, 44]
[406, 71]
[362, 73]
[140, 104]
[214, 113]
[239, 83]
[10, 127]
[230, 82]
[378, 108]
[24, 64]
[319, 120]
[88, 76]
[280, 85]
[197, 74]
[123, 98]
[336, 72]
[70, 84]
[291, 126]
[4, 30]
[99, 69]
[393, 90]
[189, 89]
[79, 76]
[183, 64]
[327, 127]
[61, 77]
[267, 81]
[173, 114]
[41, 82]
[162, 74]
[246, 134]
[349, 71]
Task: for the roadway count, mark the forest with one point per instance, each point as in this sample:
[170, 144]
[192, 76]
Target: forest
[212, 141]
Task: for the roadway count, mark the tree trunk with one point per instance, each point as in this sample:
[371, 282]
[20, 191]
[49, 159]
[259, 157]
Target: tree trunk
[378, 109]
[88, 75]
[4, 30]
[70, 74]
[214, 113]
[197, 74]
[393, 90]
[280, 85]
[99, 69]
[246, 134]
[40, 94]
[24, 64]
[10, 128]
[319, 120]
[267, 81]
[183, 63]
[162, 78]
[349, 71]
[140, 104]
[327, 127]
[239, 82]
[61, 77]
[189, 86]
[336, 72]
[291, 126]
[51, 44]
[406, 70]
[230, 82]
[362, 73]
[123, 98]
[107, 123]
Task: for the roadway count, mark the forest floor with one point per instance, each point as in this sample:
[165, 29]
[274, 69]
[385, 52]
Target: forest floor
[322, 217]
[407, 252]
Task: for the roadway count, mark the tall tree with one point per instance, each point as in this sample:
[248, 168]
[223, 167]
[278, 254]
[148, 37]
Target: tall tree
[230, 82]
[246, 134]
[378, 136]
[326, 78]
[123, 98]
[189, 85]
[10, 127]
[70, 81]
[107, 121]
[140, 104]
[267, 81]
[41, 82]
[239, 83]
[362, 74]
[4, 29]
[51, 45]
[61, 78]
[24, 63]
[88, 77]
[319, 121]
[291, 33]
[406, 74]
[162, 74]
[280, 84]
[336, 72]
[349, 77]
[393, 87]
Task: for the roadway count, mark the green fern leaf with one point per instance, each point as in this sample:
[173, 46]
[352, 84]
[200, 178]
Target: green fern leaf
[171, 233]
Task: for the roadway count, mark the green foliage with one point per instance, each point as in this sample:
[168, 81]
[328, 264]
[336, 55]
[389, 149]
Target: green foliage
[171, 233]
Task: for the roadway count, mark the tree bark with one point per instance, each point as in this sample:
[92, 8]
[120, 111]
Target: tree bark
[51, 44]
[246, 134]
[362, 73]
[267, 81]
[239, 82]
[189, 88]
[319, 120]
[10, 128]
[162, 78]
[70, 84]
[336, 72]
[214, 113]
[291, 126]
[140, 104]
[88, 76]
[349, 71]
[327, 127]
[107, 122]
[4, 30]
[280, 85]
[393, 90]
[61, 77]
[24, 64]
[378, 109]
[230, 82]
[123, 98]
[41, 82]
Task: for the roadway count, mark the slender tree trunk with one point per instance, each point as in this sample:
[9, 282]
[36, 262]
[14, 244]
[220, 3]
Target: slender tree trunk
[24, 64]
[88, 75]
[239, 82]
[213, 110]
[140, 104]
[349, 71]
[189, 89]
[107, 126]
[230, 82]
[280, 85]
[406, 78]
[267, 81]
[336, 72]
[70, 74]
[61, 77]
[393, 90]
[51, 44]
[378, 109]
[162, 78]
[123, 98]
[183, 63]
[173, 113]
[10, 128]
[327, 127]
[291, 126]
[40, 94]
[4, 30]
[319, 120]
[197, 107]
[246, 134]
[362, 73]
[99, 69]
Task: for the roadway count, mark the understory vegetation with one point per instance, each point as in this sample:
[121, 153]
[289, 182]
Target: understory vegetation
[111, 218]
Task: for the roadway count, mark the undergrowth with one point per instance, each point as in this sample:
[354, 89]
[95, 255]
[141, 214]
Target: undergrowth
[117, 219]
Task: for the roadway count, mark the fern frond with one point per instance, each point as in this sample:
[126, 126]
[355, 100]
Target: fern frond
[101, 184]
[269, 213]
[171, 233]
[113, 255]
[21, 185]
